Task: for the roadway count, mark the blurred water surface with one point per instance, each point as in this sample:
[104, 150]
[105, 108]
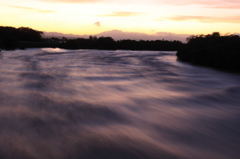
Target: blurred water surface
[91, 104]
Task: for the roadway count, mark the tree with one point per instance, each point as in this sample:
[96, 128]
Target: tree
[28, 34]
[212, 50]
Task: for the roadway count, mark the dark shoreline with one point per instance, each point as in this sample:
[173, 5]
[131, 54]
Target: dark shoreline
[212, 50]
[219, 52]
[24, 37]
[75, 44]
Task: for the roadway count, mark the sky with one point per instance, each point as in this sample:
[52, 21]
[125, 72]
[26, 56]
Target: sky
[145, 17]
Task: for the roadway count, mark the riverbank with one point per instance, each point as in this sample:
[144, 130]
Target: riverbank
[24, 37]
[216, 51]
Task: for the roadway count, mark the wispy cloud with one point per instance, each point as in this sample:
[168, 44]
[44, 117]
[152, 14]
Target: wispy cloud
[32, 9]
[97, 24]
[225, 6]
[217, 4]
[123, 14]
[73, 1]
[222, 4]
[207, 19]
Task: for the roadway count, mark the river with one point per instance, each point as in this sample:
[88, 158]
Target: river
[98, 104]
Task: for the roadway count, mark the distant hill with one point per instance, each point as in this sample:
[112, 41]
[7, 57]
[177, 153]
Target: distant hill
[60, 35]
[120, 35]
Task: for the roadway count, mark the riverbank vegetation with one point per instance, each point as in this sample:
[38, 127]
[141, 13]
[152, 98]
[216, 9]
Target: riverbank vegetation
[11, 38]
[108, 43]
[214, 50]
[24, 37]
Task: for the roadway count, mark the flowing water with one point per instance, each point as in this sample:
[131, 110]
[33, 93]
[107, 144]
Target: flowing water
[91, 104]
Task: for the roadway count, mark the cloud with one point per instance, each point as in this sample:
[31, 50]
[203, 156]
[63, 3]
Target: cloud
[123, 14]
[218, 4]
[202, 2]
[207, 19]
[74, 1]
[32, 9]
[97, 24]
[227, 6]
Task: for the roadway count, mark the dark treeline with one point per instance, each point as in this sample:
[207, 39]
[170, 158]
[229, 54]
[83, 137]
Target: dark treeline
[214, 50]
[24, 37]
[10, 36]
[110, 44]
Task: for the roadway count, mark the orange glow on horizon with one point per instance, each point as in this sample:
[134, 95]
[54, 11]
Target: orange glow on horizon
[193, 17]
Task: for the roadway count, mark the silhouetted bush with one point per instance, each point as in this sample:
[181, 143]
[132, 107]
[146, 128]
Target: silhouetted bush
[24, 37]
[108, 43]
[10, 42]
[212, 50]
[28, 34]
[10, 36]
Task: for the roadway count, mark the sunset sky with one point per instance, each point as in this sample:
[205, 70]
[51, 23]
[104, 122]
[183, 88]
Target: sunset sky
[141, 16]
